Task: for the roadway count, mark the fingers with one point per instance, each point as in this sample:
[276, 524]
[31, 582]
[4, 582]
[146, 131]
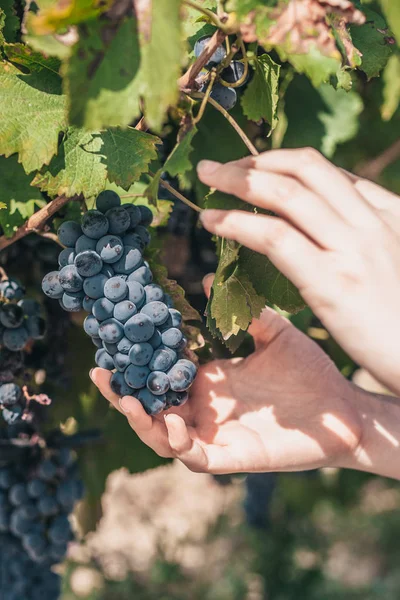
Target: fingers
[101, 378]
[317, 174]
[208, 281]
[280, 194]
[290, 251]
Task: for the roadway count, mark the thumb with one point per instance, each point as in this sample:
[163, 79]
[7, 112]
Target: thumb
[188, 450]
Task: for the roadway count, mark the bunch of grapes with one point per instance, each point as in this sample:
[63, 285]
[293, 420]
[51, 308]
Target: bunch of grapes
[36, 499]
[20, 578]
[232, 75]
[20, 324]
[132, 322]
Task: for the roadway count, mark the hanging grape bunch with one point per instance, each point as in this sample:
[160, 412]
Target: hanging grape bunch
[20, 324]
[132, 323]
[233, 76]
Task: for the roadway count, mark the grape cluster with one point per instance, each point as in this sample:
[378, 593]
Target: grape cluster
[20, 323]
[35, 503]
[225, 95]
[132, 323]
[20, 578]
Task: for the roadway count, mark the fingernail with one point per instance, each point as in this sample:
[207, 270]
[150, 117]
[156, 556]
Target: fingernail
[207, 167]
[90, 374]
[124, 405]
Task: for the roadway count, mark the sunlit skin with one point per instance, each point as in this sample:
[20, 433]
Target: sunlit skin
[286, 407]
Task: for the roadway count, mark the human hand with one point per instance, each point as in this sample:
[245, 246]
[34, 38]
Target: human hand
[336, 238]
[283, 408]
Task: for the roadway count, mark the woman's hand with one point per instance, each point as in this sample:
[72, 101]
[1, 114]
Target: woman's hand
[336, 238]
[284, 408]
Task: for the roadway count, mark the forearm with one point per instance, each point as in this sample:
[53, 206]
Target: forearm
[379, 448]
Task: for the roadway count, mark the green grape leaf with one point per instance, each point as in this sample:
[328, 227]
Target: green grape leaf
[61, 14]
[260, 99]
[128, 153]
[48, 45]
[371, 39]
[177, 293]
[33, 111]
[325, 118]
[9, 22]
[161, 62]
[392, 12]
[318, 67]
[86, 160]
[102, 75]
[391, 88]
[194, 26]
[19, 200]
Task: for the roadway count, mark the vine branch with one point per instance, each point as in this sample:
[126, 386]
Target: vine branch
[177, 194]
[188, 80]
[36, 221]
[253, 150]
[373, 168]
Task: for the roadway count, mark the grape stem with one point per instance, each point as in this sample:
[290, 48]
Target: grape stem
[177, 194]
[208, 13]
[253, 150]
[36, 221]
[206, 97]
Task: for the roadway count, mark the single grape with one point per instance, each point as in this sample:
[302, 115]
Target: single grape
[143, 234]
[182, 345]
[88, 263]
[158, 383]
[47, 470]
[135, 214]
[172, 337]
[104, 360]
[7, 478]
[124, 345]
[15, 339]
[188, 364]
[11, 316]
[162, 359]
[110, 248]
[91, 326]
[146, 215]
[10, 394]
[111, 331]
[35, 542]
[121, 361]
[136, 377]
[60, 529]
[66, 257]
[181, 377]
[51, 285]
[36, 327]
[115, 289]
[130, 260]
[136, 293]
[176, 398]
[94, 286]
[139, 328]
[18, 494]
[30, 307]
[12, 414]
[107, 200]
[67, 494]
[103, 309]
[234, 72]
[70, 279]
[119, 220]
[119, 385]
[154, 293]
[225, 96]
[73, 301]
[19, 525]
[152, 404]
[29, 510]
[87, 303]
[157, 311]
[218, 55]
[142, 275]
[95, 225]
[140, 354]
[48, 506]
[124, 310]
[58, 553]
[176, 318]
[134, 240]
[168, 301]
[155, 341]
[84, 243]
[68, 233]
[36, 488]
[111, 348]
